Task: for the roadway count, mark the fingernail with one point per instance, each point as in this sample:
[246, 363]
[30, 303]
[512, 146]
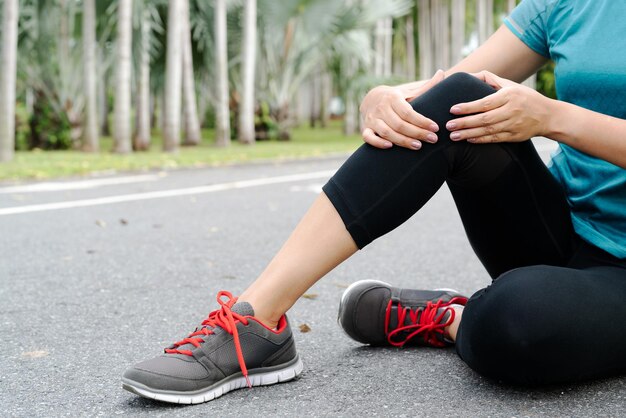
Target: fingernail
[387, 144]
[432, 137]
[455, 135]
[451, 125]
[416, 145]
[471, 140]
[455, 109]
[434, 127]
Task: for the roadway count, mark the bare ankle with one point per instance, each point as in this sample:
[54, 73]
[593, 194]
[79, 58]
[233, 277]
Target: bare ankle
[452, 329]
[260, 314]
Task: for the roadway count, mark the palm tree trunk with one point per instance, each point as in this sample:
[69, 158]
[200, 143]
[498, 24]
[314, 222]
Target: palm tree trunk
[8, 69]
[141, 141]
[441, 18]
[484, 17]
[103, 98]
[222, 111]
[122, 134]
[510, 5]
[410, 47]
[90, 136]
[425, 39]
[190, 108]
[457, 30]
[173, 77]
[248, 65]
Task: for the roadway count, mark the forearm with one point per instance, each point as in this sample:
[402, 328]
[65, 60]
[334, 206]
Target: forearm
[590, 132]
[503, 54]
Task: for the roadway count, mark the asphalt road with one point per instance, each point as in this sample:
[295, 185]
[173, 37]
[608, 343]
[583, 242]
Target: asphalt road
[89, 289]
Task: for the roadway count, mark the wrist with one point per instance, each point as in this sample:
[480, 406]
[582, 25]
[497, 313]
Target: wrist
[556, 125]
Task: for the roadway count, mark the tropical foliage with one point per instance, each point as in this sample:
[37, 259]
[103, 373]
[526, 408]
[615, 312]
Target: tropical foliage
[251, 69]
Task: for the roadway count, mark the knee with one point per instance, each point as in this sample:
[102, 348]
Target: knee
[501, 336]
[455, 89]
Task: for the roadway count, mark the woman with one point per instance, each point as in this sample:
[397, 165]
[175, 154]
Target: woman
[554, 241]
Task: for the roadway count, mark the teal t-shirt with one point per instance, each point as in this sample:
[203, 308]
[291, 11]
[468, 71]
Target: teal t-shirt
[587, 41]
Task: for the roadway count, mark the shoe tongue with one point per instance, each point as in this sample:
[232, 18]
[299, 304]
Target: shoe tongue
[243, 308]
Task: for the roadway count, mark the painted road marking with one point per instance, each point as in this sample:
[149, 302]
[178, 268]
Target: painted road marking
[78, 185]
[166, 193]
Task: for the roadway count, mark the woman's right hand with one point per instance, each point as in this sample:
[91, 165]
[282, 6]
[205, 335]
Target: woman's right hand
[389, 119]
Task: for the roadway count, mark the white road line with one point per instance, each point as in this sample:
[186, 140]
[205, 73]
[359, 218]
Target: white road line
[166, 193]
[78, 185]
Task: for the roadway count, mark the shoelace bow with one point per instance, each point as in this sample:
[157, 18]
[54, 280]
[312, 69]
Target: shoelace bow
[223, 318]
[426, 321]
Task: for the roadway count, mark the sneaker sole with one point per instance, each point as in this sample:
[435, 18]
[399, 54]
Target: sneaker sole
[257, 377]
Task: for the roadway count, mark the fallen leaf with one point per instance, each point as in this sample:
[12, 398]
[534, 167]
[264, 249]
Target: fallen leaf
[310, 295]
[101, 223]
[123, 221]
[35, 354]
[91, 251]
[304, 328]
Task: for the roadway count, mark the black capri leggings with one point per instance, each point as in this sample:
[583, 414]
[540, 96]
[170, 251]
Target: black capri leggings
[556, 310]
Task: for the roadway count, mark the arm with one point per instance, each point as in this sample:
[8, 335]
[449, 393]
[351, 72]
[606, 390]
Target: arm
[516, 113]
[590, 132]
[389, 119]
[503, 54]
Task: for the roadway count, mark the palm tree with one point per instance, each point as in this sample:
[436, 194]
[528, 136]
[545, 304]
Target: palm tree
[425, 39]
[190, 109]
[141, 140]
[7, 79]
[457, 30]
[510, 5]
[173, 77]
[222, 112]
[484, 17]
[122, 133]
[90, 132]
[301, 37]
[248, 63]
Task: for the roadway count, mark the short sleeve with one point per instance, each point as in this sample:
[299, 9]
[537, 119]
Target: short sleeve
[529, 22]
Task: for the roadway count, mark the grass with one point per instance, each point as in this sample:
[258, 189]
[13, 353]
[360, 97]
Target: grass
[306, 142]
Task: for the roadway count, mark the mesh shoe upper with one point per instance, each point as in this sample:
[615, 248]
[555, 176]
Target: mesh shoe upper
[229, 342]
[375, 313]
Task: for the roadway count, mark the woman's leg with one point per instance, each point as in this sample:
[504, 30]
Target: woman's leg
[377, 190]
[318, 244]
[547, 324]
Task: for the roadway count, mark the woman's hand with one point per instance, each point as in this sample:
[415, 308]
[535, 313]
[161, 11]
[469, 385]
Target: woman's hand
[514, 113]
[389, 119]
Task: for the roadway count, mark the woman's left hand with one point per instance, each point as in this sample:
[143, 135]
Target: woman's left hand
[514, 113]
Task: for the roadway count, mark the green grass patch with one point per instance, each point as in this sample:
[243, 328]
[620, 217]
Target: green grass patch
[306, 142]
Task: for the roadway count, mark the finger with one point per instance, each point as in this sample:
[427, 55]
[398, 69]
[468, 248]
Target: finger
[485, 104]
[439, 76]
[371, 138]
[403, 127]
[496, 132]
[490, 78]
[384, 131]
[404, 110]
[481, 119]
[490, 139]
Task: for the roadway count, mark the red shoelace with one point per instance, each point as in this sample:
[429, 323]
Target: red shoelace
[427, 321]
[223, 318]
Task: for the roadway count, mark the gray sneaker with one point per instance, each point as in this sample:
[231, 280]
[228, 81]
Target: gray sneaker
[374, 312]
[230, 350]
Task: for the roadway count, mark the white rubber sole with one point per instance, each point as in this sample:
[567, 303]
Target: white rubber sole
[257, 379]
